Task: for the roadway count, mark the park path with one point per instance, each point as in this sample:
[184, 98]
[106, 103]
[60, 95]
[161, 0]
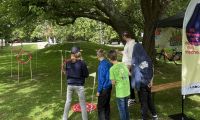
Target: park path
[40, 45]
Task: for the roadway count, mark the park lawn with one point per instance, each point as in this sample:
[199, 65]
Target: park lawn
[40, 98]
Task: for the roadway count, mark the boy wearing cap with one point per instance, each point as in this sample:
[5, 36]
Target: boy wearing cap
[76, 72]
[119, 75]
[104, 86]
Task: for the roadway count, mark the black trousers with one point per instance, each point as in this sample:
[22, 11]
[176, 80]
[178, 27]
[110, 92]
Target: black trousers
[132, 95]
[146, 102]
[103, 105]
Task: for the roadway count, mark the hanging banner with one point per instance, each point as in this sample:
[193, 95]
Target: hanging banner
[191, 49]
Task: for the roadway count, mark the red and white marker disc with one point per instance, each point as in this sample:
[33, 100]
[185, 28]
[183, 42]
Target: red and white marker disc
[89, 106]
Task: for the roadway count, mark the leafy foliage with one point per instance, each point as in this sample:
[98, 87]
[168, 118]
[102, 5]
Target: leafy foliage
[176, 6]
[30, 19]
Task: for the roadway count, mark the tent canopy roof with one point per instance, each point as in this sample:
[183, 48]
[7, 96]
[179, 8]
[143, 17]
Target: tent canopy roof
[173, 21]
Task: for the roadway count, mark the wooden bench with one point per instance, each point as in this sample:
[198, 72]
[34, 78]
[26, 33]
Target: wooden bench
[166, 86]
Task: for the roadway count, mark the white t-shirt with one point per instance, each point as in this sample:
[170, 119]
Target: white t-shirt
[127, 53]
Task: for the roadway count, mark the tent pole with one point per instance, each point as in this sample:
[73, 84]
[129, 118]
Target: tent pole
[11, 63]
[61, 74]
[31, 71]
[18, 71]
[183, 98]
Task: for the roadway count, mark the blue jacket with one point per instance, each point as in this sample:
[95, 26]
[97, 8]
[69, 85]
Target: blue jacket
[76, 72]
[142, 70]
[104, 81]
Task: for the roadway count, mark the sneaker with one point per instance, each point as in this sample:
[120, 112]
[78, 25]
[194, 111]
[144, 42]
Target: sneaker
[131, 102]
[154, 117]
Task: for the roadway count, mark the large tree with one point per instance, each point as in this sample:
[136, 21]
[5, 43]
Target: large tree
[116, 13]
[121, 15]
[67, 11]
[151, 10]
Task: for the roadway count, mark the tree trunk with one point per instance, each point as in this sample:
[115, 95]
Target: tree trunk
[120, 24]
[151, 10]
[149, 39]
[120, 27]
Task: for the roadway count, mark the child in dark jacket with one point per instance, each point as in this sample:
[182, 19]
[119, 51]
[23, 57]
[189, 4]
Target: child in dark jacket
[104, 87]
[142, 73]
[76, 72]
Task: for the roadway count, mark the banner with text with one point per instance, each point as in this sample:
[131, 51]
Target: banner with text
[191, 49]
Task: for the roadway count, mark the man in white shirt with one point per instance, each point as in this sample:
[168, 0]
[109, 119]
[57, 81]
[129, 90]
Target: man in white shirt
[127, 59]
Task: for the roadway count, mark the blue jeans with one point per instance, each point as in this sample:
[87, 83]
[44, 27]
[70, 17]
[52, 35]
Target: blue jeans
[122, 104]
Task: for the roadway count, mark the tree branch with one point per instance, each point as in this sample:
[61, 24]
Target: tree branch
[65, 22]
[91, 15]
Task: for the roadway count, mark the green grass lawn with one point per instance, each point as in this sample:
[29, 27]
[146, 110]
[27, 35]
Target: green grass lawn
[40, 98]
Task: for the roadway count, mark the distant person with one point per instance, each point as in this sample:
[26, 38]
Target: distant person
[142, 74]
[54, 40]
[162, 54]
[104, 86]
[119, 75]
[126, 59]
[50, 40]
[76, 72]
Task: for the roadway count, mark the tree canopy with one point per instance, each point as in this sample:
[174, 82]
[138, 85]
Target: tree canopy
[135, 16]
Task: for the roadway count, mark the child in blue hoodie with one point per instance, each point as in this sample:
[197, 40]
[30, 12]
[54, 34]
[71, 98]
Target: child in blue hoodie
[104, 87]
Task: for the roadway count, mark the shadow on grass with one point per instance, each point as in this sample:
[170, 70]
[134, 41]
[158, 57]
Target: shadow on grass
[38, 99]
[169, 103]
[41, 99]
[180, 116]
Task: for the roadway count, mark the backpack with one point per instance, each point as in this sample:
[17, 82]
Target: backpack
[142, 67]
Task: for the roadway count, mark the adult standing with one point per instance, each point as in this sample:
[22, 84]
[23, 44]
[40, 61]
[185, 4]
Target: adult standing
[127, 59]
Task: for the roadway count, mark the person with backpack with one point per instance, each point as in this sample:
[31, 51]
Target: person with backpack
[76, 72]
[104, 86]
[142, 74]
